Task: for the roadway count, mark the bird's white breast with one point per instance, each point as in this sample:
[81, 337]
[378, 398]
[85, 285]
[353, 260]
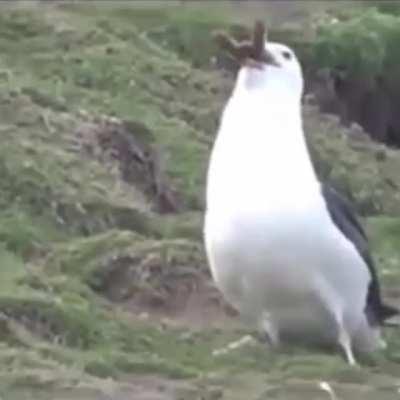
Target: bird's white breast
[259, 157]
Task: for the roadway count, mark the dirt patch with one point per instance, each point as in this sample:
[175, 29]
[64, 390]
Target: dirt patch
[156, 388]
[194, 303]
[119, 143]
[145, 286]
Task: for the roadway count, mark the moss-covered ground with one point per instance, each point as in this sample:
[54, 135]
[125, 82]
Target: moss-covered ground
[103, 297]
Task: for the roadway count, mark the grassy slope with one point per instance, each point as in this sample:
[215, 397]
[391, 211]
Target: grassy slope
[60, 217]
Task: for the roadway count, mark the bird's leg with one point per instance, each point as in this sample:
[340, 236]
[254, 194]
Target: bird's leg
[344, 339]
[328, 298]
[269, 329]
[331, 304]
[345, 342]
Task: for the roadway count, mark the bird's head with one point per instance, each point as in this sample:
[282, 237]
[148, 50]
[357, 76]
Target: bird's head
[265, 66]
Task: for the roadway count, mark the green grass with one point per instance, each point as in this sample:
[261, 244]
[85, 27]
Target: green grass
[12, 268]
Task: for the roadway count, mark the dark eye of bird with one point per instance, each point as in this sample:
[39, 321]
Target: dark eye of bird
[287, 55]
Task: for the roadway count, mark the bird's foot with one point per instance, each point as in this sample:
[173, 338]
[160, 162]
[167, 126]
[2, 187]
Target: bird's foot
[326, 387]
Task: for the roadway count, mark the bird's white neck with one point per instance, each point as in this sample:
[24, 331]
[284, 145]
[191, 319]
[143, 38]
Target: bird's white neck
[271, 83]
[260, 154]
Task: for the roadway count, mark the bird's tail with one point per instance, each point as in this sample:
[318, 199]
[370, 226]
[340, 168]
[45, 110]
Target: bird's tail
[388, 314]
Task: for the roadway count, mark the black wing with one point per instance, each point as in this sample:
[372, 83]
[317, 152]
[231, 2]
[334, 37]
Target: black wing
[345, 218]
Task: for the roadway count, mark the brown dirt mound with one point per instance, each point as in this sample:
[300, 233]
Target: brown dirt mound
[146, 287]
[120, 143]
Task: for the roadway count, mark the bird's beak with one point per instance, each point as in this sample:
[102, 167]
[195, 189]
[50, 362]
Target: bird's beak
[266, 58]
[252, 63]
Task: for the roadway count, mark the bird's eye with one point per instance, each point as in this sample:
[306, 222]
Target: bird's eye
[287, 55]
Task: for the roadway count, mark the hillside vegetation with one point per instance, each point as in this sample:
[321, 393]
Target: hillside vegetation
[106, 129]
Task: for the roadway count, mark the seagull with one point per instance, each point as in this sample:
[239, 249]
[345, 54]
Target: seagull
[286, 250]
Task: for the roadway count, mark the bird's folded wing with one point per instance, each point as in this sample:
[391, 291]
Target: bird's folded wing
[345, 218]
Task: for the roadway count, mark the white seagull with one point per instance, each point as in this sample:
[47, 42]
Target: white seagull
[287, 251]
